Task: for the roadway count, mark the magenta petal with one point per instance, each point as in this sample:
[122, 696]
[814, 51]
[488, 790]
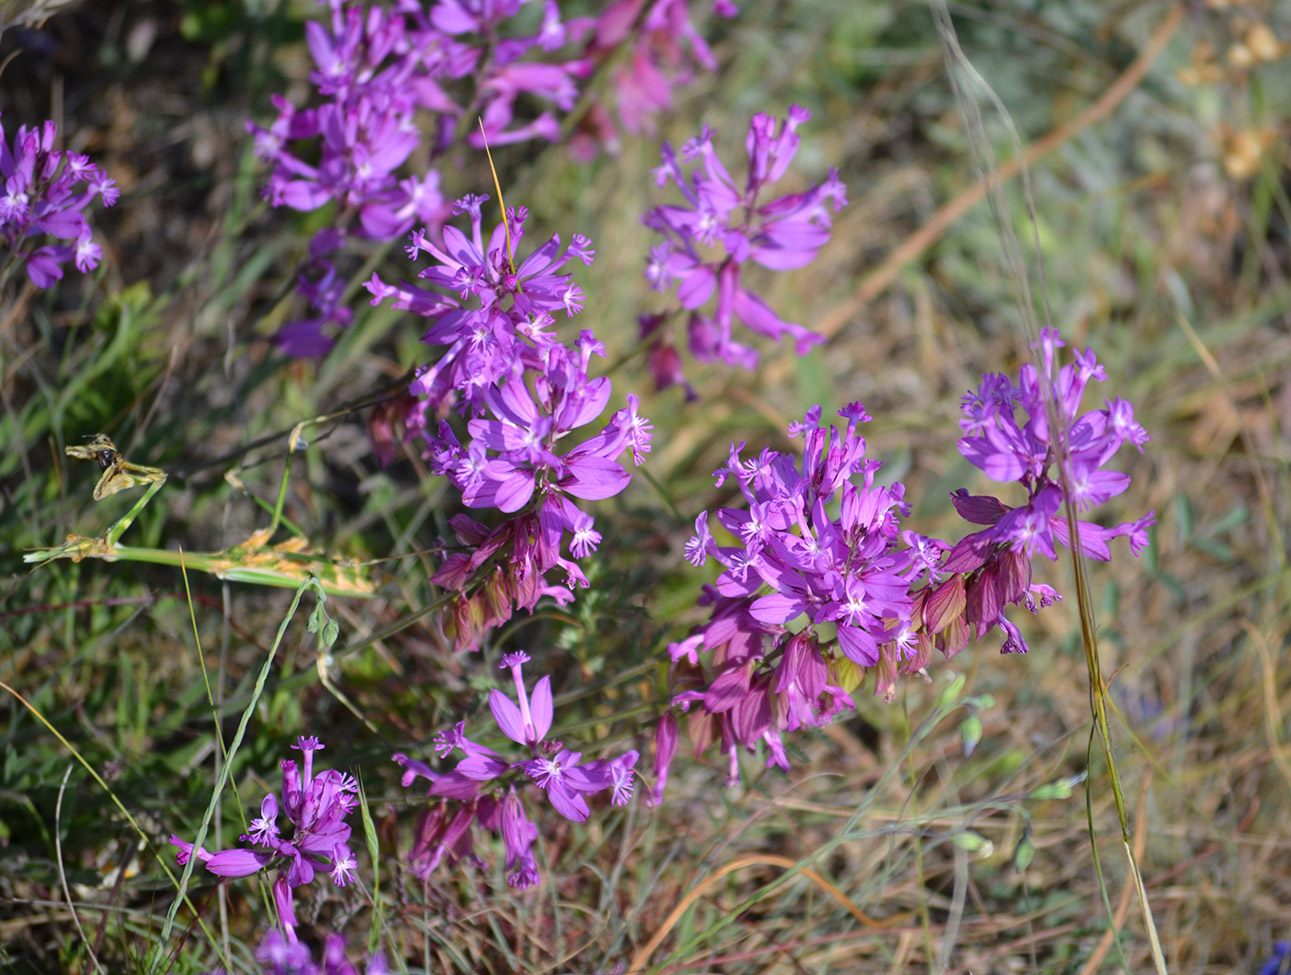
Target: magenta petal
[696, 287]
[507, 715]
[727, 690]
[593, 478]
[569, 804]
[283, 900]
[514, 491]
[778, 607]
[540, 707]
[859, 646]
[237, 863]
[455, 785]
[480, 766]
[413, 769]
[304, 195]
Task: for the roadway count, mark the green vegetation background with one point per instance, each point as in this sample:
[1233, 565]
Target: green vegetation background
[1165, 230]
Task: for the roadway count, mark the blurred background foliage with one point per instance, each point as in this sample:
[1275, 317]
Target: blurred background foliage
[1163, 230]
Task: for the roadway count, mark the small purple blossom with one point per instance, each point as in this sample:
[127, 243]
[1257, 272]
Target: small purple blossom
[316, 806]
[43, 193]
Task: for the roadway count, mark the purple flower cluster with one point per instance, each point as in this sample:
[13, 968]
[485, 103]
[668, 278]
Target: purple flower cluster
[525, 394]
[316, 806]
[44, 194]
[720, 228]
[823, 584]
[665, 50]
[846, 576]
[1007, 436]
[384, 77]
[278, 955]
[482, 785]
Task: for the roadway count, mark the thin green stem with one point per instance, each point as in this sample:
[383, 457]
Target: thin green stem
[126, 520]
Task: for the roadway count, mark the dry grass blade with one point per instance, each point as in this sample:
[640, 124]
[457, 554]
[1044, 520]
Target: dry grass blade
[756, 859]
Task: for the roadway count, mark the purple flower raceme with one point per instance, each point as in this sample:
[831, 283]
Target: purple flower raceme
[809, 599]
[1007, 436]
[316, 806]
[484, 788]
[527, 395]
[720, 228]
[384, 76]
[816, 590]
[43, 194]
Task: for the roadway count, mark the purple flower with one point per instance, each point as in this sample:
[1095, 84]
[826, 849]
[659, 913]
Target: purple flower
[665, 748]
[812, 546]
[1277, 963]
[496, 313]
[718, 215]
[1007, 436]
[278, 955]
[487, 785]
[518, 837]
[527, 397]
[42, 196]
[665, 52]
[316, 806]
[520, 723]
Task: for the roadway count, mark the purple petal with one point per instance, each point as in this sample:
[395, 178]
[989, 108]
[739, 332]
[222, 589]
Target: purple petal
[569, 804]
[237, 863]
[777, 608]
[592, 478]
[540, 707]
[507, 715]
[858, 645]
